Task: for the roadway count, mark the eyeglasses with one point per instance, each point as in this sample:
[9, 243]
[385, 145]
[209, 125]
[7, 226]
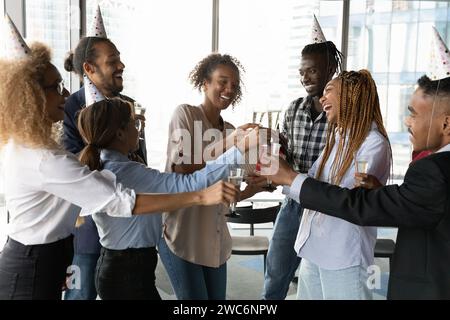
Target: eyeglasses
[59, 87]
[138, 125]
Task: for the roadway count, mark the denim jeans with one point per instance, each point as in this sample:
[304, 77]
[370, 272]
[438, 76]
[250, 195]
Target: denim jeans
[127, 274]
[282, 260]
[315, 283]
[86, 264]
[34, 272]
[192, 281]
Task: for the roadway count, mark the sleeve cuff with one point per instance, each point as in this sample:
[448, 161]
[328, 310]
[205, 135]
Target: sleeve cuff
[293, 191]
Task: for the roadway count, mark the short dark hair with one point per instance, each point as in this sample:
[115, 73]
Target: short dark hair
[84, 52]
[328, 48]
[437, 87]
[204, 69]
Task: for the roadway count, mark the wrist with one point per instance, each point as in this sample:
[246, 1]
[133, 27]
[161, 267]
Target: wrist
[198, 198]
[291, 177]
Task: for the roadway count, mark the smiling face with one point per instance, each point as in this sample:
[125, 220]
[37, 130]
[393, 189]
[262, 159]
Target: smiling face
[428, 131]
[222, 87]
[107, 70]
[330, 100]
[313, 73]
[54, 100]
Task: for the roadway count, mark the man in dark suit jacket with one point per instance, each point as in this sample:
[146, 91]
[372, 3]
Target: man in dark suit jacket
[420, 207]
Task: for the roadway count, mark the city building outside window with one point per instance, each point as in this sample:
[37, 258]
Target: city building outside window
[48, 21]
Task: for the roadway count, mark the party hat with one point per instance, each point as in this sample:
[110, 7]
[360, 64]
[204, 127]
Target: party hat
[317, 35]
[91, 92]
[439, 65]
[13, 46]
[98, 27]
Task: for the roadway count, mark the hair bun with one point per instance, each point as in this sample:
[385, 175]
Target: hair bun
[68, 62]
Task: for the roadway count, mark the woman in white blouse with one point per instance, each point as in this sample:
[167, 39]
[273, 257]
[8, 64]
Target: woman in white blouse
[43, 181]
[336, 254]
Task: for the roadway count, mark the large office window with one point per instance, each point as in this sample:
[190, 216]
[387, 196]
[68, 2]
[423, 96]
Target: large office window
[392, 40]
[160, 42]
[267, 36]
[48, 21]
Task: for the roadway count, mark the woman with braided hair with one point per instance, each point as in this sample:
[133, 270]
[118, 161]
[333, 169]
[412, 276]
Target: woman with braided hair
[336, 254]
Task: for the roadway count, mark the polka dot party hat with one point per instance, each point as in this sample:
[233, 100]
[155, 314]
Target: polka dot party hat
[98, 27]
[12, 45]
[317, 35]
[439, 65]
[91, 92]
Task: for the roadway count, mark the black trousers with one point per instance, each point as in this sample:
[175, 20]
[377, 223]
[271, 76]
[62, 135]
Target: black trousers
[127, 274]
[35, 272]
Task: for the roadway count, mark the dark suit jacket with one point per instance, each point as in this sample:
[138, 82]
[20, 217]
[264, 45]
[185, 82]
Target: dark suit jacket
[420, 208]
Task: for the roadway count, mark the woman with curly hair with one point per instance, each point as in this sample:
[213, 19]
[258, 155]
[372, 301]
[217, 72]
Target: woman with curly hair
[197, 242]
[336, 254]
[43, 180]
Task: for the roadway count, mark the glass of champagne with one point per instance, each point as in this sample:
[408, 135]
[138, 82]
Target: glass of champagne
[361, 164]
[236, 176]
[139, 110]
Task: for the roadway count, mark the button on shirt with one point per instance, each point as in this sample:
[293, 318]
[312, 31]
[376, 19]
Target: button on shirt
[333, 243]
[145, 230]
[43, 184]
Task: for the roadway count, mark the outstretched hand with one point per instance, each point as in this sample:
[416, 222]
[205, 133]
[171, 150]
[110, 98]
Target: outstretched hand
[277, 170]
[220, 192]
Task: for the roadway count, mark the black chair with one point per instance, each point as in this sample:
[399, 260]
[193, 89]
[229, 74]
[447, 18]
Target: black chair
[253, 245]
[384, 248]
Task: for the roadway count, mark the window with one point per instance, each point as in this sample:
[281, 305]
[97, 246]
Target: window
[48, 21]
[267, 36]
[392, 40]
[160, 43]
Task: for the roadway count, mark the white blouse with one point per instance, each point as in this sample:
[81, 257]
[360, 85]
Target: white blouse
[333, 243]
[41, 186]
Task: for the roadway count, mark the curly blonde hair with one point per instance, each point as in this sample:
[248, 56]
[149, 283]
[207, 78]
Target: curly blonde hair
[23, 117]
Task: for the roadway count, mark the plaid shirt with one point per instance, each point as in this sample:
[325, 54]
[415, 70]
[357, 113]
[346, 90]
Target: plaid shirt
[306, 138]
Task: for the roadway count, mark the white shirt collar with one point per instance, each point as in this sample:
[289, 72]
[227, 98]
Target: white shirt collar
[444, 149]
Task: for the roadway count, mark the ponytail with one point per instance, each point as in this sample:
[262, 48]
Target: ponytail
[90, 156]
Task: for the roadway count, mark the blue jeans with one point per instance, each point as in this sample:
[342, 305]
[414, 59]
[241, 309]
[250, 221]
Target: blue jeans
[282, 260]
[192, 281]
[87, 264]
[315, 283]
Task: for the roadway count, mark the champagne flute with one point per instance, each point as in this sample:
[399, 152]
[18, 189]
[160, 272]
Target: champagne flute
[140, 110]
[361, 163]
[236, 176]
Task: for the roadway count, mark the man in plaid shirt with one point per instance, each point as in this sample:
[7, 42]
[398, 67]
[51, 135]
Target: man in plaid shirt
[305, 129]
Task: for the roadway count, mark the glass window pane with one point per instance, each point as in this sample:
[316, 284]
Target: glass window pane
[160, 43]
[267, 36]
[392, 40]
[48, 21]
